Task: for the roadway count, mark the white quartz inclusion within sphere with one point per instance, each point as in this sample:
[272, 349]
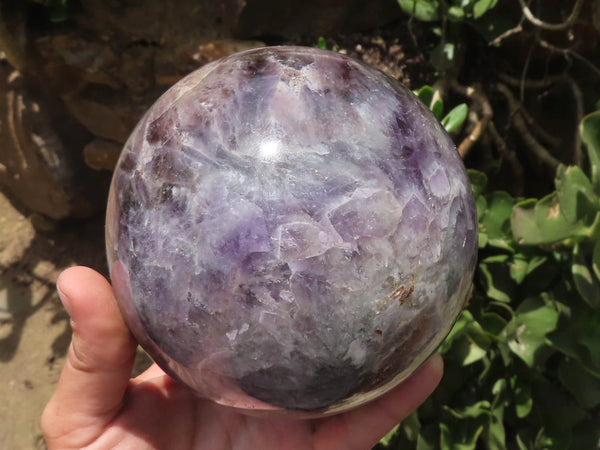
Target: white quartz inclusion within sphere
[290, 230]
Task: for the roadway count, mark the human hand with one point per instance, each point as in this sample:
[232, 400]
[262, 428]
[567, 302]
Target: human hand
[97, 405]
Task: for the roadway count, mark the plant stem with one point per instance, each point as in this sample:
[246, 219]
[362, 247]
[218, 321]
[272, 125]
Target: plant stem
[552, 26]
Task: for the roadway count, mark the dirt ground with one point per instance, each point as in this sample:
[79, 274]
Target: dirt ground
[34, 328]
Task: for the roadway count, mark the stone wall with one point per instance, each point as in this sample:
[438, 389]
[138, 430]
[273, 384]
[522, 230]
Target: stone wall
[82, 84]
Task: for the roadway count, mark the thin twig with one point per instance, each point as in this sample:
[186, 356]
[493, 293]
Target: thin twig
[517, 120]
[579, 105]
[569, 53]
[550, 140]
[535, 84]
[543, 83]
[483, 104]
[552, 26]
[515, 30]
[524, 73]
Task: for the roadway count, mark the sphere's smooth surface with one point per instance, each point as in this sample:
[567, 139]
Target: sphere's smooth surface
[290, 230]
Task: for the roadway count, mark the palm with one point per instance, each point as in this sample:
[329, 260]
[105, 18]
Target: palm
[96, 405]
[159, 413]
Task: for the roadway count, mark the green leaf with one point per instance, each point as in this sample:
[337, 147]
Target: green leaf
[585, 278]
[472, 411]
[535, 262]
[519, 267]
[533, 321]
[387, 439]
[460, 327]
[495, 277]
[455, 118]
[521, 397]
[497, 216]
[584, 387]
[481, 205]
[466, 326]
[469, 423]
[322, 43]
[456, 13]
[551, 441]
[467, 351]
[482, 240]
[541, 222]
[495, 222]
[493, 323]
[545, 440]
[576, 196]
[555, 407]
[523, 265]
[442, 56]
[425, 10]
[596, 259]
[438, 108]
[404, 435]
[523, 440]
[411, 427]
[425, 94]
[482, 6]
[578, 336]
[494, 435]
[463, 437]
[429, 437]
[478, 181]
[543, 272]
[590, 134]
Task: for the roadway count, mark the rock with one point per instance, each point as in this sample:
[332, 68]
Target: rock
[16, 235]
[93, 58]
[101, 154]
[156, 23]
[100, 116]
[38, 165]
[138, 69]
[216, 49]
[289, 229]
[314, 17]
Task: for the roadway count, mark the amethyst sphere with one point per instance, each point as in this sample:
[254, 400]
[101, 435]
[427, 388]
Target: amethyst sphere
[290, 230]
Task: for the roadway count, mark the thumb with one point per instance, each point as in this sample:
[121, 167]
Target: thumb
[99, 361]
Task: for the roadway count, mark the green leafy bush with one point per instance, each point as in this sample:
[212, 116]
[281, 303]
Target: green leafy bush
[431, 10]
[451, 121]
[523, 360]
[448, 18]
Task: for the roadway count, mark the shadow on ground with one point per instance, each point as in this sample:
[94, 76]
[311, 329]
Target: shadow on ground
[34, 328]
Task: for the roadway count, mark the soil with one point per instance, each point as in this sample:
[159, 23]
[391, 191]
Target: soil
[34, 328]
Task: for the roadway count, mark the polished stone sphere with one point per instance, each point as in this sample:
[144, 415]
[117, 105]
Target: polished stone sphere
[290, 231]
